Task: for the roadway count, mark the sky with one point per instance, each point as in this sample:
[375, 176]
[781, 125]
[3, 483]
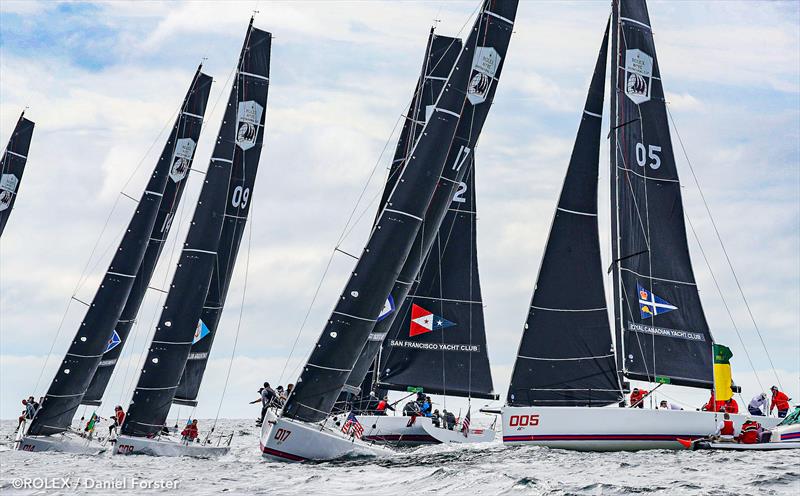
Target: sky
[102, 81]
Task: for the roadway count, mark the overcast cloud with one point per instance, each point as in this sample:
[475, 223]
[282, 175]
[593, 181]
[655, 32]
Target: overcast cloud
[101, 80]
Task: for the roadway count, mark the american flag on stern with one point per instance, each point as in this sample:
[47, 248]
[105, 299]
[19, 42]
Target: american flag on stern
[353, 427]
[465, 425]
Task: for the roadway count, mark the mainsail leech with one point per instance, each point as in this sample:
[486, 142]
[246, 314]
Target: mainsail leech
[242, 127]
[12, 167]
[179, 152]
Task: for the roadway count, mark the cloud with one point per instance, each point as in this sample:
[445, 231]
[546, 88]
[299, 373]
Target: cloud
[341, 76]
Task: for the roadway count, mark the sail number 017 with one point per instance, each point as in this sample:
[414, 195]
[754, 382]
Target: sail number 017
[282, 435]
[650, 152]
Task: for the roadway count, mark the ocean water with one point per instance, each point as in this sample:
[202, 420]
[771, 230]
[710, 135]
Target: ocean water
[486, 469]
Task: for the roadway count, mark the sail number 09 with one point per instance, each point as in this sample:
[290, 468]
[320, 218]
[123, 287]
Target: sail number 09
[651, 152]
[240, 196]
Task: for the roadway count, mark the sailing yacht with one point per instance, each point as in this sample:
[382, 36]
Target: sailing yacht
[12, 166]
[305, 428]
[50, 429]
[569, 376]
[435, 340]
[179, 351]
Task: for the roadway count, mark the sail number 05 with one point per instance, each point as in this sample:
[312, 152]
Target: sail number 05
[523, 420]
[650, 152]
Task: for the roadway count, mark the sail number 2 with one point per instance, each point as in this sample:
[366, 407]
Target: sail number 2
[652, 152]
[523, 420]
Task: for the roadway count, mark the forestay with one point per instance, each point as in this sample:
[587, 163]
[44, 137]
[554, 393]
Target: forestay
[658, 311]
[179, 153]
[242, 126]
[566, 356]
[488, 41]
[12, 167]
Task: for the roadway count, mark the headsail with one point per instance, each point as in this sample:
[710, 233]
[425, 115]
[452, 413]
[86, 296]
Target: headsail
[360, 304]
[438, 340]
[566, 356]
[92, 339]
[254, 88]
[179, 152]
[12, 166]
[658, 309]
[440, 57]
[488, 42]
[242, 127]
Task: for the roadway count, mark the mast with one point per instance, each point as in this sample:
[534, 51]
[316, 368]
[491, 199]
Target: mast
[13, 166]
[438, 340]
[242, 127]
[565, 356]
[658, 312]
[179, 152]
[255, 88]
[92, 339]
[361, 303]
[440, 55]
[489, 42]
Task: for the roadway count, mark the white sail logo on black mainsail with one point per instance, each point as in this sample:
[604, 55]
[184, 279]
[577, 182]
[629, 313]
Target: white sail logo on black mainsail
[485, 62]
[248, 122]
[8, 184]
[638, 75]
[182, 159]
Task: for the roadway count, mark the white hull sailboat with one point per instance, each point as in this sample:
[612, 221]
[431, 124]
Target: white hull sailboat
[288, 440]
[611, 428]
[131, 445]
[65, 442]
[400, 430]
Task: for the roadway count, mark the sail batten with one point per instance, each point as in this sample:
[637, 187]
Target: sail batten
[661, 329]
[565, 357]
[238, 143]
[12, 166]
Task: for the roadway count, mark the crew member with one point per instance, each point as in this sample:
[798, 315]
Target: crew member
[725, 429]
[116, 420]
[731, 406]
[449, 419]
[637, 395]
[425, 409]
[268, 396]
[190, 432]
[751, 430]
[436, 418]
[665, 405]
[779, 401]
[758, 404]
[383, 405]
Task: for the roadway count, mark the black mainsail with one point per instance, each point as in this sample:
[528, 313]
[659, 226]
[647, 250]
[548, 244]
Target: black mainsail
[658, 313]
[440, 57]
[361, 303]
[566, 355]
[179, 152]
[438, 340]
[95, 332]
[254, 88]
[489, 42]
[13, 166]
[242, 126]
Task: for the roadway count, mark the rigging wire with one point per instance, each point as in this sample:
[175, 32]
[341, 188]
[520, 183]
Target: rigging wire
[724, 251]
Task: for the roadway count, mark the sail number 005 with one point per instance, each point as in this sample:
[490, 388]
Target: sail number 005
[523, 420]
[240, 196]
[650, 152]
